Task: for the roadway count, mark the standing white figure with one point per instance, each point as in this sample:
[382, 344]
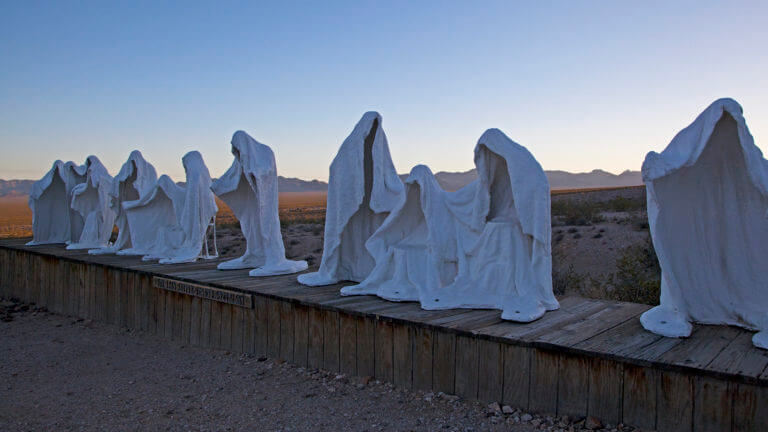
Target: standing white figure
[707, 207]
[172, 221]
[50, 201]
[485, 246]
[91, 200]
[249, 188]
[135, 179]
[363, 188]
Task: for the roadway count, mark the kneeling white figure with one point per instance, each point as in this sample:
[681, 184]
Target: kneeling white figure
[136, 179]
[249, 188]
[363, 188]
[92, 202]
[707, 207]
[171, 223]
[485, 246]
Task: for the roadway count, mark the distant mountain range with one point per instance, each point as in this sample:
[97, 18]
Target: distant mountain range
[450, 181]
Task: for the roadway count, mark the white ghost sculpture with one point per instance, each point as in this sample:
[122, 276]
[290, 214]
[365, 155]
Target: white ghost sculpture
[135, 179]
[154, 213]
[249, 188]
[171, 222]
[363, 188]
[485, 246]
[707, 208]
[91, 200]
[50, 201]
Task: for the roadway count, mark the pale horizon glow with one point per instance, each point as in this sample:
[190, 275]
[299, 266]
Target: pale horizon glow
[583, 85]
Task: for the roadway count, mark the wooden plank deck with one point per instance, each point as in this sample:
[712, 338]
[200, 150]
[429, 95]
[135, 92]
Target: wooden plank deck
[590, 357]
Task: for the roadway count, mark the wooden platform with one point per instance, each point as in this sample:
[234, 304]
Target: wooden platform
[591, 357]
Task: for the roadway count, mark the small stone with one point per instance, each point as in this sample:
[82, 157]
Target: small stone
[593, 423]
[494, 408]
[451, 398]
[506, 409]
[526, 417]
[535, 423]
[367, 380]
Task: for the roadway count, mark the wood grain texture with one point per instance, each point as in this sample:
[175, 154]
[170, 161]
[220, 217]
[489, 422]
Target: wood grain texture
[467, 367]
[366, 351]
[331, 341]
[384, 351]
[347, 344]
[444, 362]
[543, 387]
[402, 356]
[517, 376]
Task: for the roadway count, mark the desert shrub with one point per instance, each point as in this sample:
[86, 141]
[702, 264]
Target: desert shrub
[581, 213]
[566, 281]
[638, 275]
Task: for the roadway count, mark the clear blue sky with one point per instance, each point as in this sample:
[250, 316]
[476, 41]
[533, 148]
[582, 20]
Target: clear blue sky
[582, 84]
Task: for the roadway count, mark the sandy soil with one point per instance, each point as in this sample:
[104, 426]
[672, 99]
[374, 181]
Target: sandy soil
[60, 373]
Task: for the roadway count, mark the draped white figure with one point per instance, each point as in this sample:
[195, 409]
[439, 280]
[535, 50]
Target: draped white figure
[249, 188]
[486, 245]
[136, 178]
[53, 219]
[91, 201]
[154, 213]
[171, 222]
[363, 188]
[707, 209]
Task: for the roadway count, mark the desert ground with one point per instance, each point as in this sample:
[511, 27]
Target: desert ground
[600, 240]
[64, 374]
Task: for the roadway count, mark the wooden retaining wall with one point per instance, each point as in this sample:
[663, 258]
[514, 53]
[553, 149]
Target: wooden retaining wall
[613, 371]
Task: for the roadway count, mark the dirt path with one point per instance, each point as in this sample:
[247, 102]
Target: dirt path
[60, 373]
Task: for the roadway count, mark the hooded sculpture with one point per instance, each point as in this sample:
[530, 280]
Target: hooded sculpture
[486, 245]
[50, 200]
[249, 188]
[155, 212]
[172, 221]
[135, 179]
[91, 201]
[363, 188]
[707, 208]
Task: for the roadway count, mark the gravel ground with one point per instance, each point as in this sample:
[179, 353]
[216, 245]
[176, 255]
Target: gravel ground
[63, 373]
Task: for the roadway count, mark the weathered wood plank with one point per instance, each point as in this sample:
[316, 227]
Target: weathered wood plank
[517, 376]
[214, 337]
[205, 323]
[261, 337]
[640, 396]
[606, 381]
[543, 387]
[301, 335]
[444, 362]
[347, 344]
[249, 331]
[366, 351]
[287, 331]
[467, 367]
[178, 315]
[226, 326]
[331, 340]
[273, 337]
[572, 385]
[491, 372]
[238, 316]
[384, 351]
[195, 311]
[713, 405]
[186, 319]
[749, 413]
[675, 405]
[423, 353]
[402, 345]
[315, 345]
